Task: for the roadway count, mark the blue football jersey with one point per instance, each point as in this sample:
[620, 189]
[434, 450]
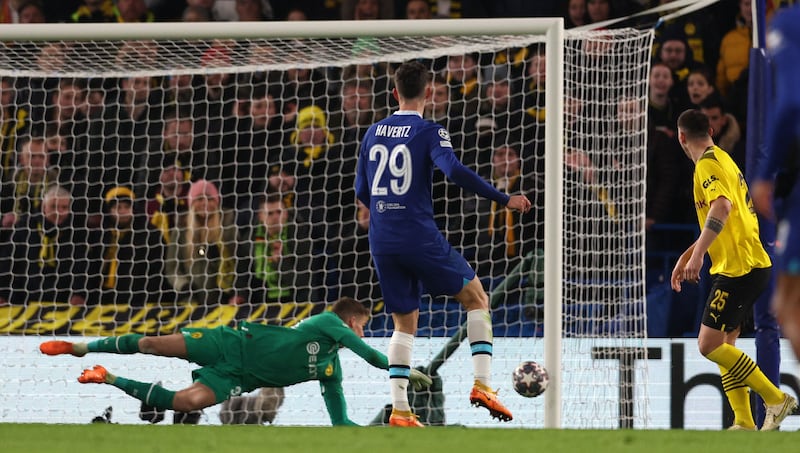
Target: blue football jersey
[783, 43]
[394, 177]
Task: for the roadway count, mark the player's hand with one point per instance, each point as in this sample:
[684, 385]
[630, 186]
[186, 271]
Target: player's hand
[762, 193]
[520, 203]
[419, 379]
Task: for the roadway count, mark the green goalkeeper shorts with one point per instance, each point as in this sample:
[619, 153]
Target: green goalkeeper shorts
[219, 352]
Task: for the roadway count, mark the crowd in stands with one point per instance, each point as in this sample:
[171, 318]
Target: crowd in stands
[238, 188]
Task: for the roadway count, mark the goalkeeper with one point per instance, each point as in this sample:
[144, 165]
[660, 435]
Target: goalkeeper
[240, 360]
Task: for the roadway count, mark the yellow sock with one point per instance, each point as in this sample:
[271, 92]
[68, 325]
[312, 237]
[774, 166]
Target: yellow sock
[739, 396]
[742, 367]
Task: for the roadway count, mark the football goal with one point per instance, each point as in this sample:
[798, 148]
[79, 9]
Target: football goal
[130, 123]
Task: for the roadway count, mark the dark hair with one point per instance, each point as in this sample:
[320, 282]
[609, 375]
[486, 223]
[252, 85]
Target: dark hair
[347, 307]
[411, 78]
[713, 101]
[694, 124]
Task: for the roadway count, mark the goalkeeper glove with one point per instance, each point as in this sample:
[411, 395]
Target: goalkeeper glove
[419, 379]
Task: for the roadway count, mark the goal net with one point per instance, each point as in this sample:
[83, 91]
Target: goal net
[142, 181]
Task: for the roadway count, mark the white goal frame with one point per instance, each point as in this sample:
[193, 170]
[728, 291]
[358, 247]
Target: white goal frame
[551, 28]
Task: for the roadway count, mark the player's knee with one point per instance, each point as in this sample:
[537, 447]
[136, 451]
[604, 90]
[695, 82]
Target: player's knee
[706, 347]
[187, 402]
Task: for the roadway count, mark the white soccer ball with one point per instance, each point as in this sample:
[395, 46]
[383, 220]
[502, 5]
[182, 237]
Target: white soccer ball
[530, 379]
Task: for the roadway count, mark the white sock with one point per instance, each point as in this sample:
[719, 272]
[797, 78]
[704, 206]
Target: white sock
[399, 356]
[479, 333]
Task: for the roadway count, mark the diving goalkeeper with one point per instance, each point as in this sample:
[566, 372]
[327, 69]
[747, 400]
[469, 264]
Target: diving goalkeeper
[240, 360]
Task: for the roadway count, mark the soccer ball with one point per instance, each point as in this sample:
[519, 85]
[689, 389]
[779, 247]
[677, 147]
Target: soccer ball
[530, 379]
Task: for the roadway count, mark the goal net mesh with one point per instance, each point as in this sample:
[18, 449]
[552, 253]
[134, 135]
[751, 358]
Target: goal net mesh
[135, 135]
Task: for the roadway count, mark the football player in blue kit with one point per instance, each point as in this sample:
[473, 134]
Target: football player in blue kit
[783, 161]
[411, 256]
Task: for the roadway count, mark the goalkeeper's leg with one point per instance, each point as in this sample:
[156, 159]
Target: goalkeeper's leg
[195, 397]
[479, 334]
[167, 345]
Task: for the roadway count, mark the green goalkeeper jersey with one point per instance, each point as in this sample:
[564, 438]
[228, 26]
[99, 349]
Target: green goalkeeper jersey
[275, 356]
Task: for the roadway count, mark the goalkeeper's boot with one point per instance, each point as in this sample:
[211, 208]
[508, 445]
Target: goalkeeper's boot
[94, 375]
[404, 419]
[484, 396]
[777, 412]
[57, 347]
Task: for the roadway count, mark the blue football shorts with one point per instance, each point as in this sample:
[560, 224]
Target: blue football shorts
[405, 277]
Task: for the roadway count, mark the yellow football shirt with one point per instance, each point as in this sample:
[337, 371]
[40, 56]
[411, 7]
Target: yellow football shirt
[738, 249]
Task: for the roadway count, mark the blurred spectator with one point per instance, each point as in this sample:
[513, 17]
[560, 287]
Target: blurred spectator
[313, 9]
[249, 145]
[727, 133]
[534, 108]
[699, 85]
[133, 254]
[31, 12]
[701, 30]
[501, 8]
[296, 14]
[507, 235]
[130, 126]
[575, 14]
[367, 9]
[179, 92]
[418, 9]
[378, 76]
[253, 10]
[205, 5]
[734, 52]
[666, 196]
[196, 14]
[321, 171]
[133, 11]
[300, 88]
[96, 11]
[77, 166]
[169, 202]
[14, 122]
[355, 115]
[676, 54]
[214, 100]
[23, 194]
[51, 259]
[280, 180]
[500, 114]
[661, 113]
[463, 77]
[357, 276]
[279, 254]
[175, 149]
[599, 11]
[202, 259]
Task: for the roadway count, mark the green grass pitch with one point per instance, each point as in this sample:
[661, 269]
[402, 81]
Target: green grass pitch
[34, 438]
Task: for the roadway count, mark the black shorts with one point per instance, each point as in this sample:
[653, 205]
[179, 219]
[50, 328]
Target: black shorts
[732, 298]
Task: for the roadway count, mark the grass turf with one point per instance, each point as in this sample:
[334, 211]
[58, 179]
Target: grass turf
[33, 438]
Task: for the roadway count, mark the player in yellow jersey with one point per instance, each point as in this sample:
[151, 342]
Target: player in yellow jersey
[740, 271]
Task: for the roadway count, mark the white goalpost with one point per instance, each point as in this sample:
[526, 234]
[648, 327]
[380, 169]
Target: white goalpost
[153, 107]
